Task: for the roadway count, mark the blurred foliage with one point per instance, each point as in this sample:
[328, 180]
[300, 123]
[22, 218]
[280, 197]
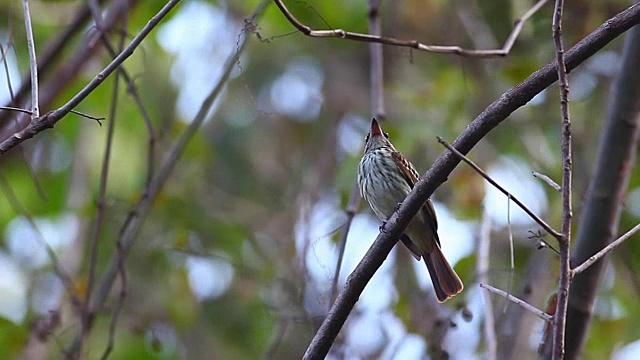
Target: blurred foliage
[244, 187]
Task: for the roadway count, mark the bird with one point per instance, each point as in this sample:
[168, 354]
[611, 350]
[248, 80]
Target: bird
[385, 178]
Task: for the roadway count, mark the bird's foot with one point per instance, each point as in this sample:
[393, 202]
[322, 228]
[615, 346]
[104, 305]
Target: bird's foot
[397, 207]
[381, 228]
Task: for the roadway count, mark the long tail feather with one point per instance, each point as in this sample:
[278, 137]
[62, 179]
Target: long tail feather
[445, 280]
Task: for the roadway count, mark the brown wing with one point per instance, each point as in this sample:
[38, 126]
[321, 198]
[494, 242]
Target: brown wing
[411, 175]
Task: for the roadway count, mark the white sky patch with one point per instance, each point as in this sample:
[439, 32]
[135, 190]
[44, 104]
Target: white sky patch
[26, 243]
[209, 278]
[411, 347]
[351, 134]
[630, 351]
[321, 255]
[366, 335]
[201, 37]
[462, 341]
[582, 85]
[380, 292]
[605, 63]
[14, 286]
[539, 98]
[514, 175]
[298, 91]
[633, 203]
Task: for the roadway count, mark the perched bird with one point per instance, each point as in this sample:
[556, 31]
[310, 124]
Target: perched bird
[385, 178]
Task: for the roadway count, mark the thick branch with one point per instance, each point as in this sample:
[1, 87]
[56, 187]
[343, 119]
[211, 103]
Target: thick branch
[491, 117]
[600, 218]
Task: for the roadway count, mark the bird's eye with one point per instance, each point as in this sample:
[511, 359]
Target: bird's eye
[366, 139]
[386, 135]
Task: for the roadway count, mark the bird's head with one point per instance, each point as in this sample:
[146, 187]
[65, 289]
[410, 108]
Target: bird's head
[376, 138]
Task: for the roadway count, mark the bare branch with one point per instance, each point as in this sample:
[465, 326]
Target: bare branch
[547, 179]
[11, 108]
[590, 261]
[98, 119]
[486, 176]
[482, 269]
[537, 312]
[567, 160]
[414, 44]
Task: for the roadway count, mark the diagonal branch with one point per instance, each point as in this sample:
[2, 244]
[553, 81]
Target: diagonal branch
[414, 44]
[491, 117]
[600, 254]
[522, 206]
[525, 305]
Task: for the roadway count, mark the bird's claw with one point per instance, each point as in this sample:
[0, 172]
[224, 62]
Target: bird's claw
[397, 207]
[381, 228]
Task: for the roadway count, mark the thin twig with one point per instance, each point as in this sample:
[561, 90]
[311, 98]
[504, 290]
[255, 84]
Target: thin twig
[414, 44]
[539, 313]
[98, 119]
[33, 63]
[475, 167]
[600, 254]
[512, 265]
[482, 269]
[6, 70]
[119, 305]
[564, 242]
[48, 120]
[350, 212]
[547, 179]
[17, 206]
[376, 73]
[11, 108]
[87, 315]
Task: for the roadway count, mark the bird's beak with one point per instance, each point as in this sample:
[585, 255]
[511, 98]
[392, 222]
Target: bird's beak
[375, 128]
